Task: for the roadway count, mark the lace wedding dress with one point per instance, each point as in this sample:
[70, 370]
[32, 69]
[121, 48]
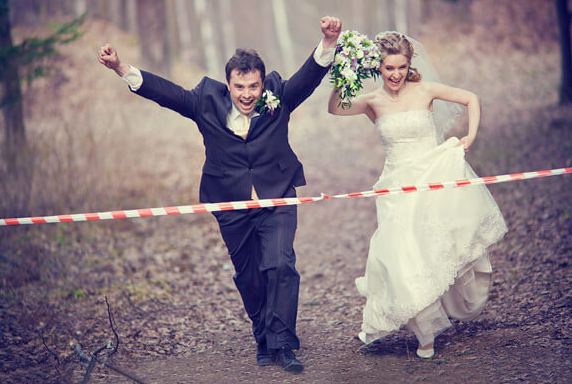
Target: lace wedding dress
[428, 258]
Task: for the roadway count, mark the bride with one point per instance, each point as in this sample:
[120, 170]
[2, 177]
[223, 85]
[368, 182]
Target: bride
[428, 258]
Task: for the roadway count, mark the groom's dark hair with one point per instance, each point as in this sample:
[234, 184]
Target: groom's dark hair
[244, 61]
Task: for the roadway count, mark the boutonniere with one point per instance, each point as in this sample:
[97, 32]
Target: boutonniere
[268, 102]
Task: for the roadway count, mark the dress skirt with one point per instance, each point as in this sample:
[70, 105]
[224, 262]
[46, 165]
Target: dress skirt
[428, 258]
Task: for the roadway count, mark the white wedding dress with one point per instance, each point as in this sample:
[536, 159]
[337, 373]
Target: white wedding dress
[428, 258]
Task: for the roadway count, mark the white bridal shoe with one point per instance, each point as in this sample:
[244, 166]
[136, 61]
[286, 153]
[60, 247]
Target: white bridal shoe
[426, 353]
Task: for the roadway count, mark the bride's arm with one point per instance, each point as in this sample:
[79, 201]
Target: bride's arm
[360, 104]
[464, 97]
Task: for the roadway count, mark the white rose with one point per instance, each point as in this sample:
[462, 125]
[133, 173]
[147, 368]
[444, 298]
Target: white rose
[349, 74]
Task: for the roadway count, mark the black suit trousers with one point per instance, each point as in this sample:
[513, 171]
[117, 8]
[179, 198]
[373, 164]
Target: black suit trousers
[260, 243]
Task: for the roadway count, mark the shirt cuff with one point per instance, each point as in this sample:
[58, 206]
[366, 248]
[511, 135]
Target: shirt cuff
[324, 56]
[133, 78]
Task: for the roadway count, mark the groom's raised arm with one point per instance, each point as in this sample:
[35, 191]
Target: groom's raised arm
[152, 87]
[301, 85]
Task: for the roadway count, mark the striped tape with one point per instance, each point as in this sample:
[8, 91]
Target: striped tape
[457, 183]
[265, 203]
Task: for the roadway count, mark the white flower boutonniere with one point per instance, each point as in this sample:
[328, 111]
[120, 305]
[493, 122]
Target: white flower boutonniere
[356, 59]
[268, 102]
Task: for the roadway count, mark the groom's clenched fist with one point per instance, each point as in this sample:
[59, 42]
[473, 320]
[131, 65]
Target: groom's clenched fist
[331, 28]
[107, 56]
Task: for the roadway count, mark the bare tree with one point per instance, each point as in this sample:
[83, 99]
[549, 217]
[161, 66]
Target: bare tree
[227, 26]
[401, 24]
[207, 35]
[130, 15]
[385, 15]
[80, 7]
[171, 31]
[152, 28]
[115, 14]
[284, 37]
[358, 14]
[183, 14]
[563, 14]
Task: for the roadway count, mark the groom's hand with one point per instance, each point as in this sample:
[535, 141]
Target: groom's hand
[107, 56]
[331, 28]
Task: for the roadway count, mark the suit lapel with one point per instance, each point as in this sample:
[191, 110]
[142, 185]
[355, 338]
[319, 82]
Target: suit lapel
[226, 104]
[224, 110]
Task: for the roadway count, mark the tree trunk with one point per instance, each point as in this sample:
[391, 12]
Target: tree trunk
[130, 13]
[284, 37]
[415, 17]
[185, 33]
[401, 16]
[14, 130]
[207, 35]
[80, 7]
[386, 15]
[18, 161]
[358, 15]
[114, 9]
[152, 29]
[171, 32]
[563, 14]
[228, 30]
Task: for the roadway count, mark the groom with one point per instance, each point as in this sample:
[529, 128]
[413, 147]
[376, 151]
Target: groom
[245, 133]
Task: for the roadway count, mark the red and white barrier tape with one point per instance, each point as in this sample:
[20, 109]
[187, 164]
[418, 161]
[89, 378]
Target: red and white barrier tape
[164, 211]
[250, 204]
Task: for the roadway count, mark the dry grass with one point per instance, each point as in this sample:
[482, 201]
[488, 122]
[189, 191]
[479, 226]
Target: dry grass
[93, 147]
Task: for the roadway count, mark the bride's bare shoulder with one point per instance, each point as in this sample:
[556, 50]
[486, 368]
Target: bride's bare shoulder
[428, 85]
[372, 96]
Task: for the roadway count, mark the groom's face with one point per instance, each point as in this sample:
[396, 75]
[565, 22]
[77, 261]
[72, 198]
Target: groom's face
[245, 89]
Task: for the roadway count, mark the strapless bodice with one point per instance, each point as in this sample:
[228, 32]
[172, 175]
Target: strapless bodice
[406, 135]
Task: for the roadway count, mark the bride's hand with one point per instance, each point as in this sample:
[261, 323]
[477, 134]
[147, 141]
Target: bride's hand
[466, 142]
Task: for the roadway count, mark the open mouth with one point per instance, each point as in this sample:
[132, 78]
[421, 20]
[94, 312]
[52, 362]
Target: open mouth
[394, 82]
[247, 104]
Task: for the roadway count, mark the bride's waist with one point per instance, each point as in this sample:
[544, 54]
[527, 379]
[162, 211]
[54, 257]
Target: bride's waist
[405, 152]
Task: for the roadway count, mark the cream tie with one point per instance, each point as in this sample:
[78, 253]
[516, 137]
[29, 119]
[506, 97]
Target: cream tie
[242, 131]
[243, 125]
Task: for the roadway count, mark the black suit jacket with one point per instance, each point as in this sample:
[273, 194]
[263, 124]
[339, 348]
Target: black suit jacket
[233, 164]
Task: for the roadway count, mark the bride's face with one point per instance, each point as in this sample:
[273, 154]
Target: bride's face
[394, 71]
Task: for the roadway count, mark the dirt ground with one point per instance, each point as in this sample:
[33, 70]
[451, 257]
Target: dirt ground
[179, 318]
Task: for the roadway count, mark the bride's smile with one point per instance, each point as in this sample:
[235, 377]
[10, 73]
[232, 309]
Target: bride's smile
[394, 71]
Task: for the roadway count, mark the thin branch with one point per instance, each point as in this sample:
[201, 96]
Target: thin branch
[51, 352]
[93, 360]
[112, 325]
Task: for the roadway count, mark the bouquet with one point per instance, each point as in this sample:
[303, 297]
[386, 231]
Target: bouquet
[356, 58]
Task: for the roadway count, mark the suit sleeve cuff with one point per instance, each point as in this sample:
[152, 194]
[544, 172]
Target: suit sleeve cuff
[324, 56]
[133, 78]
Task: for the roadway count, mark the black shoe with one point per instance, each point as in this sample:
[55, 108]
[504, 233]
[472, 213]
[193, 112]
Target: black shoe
[287, 359]
[264, 356]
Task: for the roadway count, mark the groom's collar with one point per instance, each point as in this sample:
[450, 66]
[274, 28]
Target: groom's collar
[234, 113]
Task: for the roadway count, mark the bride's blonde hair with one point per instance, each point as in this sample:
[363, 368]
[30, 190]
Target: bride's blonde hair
[394, 43]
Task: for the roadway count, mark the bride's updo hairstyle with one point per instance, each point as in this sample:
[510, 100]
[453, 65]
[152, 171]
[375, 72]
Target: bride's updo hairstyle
[394, 43]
